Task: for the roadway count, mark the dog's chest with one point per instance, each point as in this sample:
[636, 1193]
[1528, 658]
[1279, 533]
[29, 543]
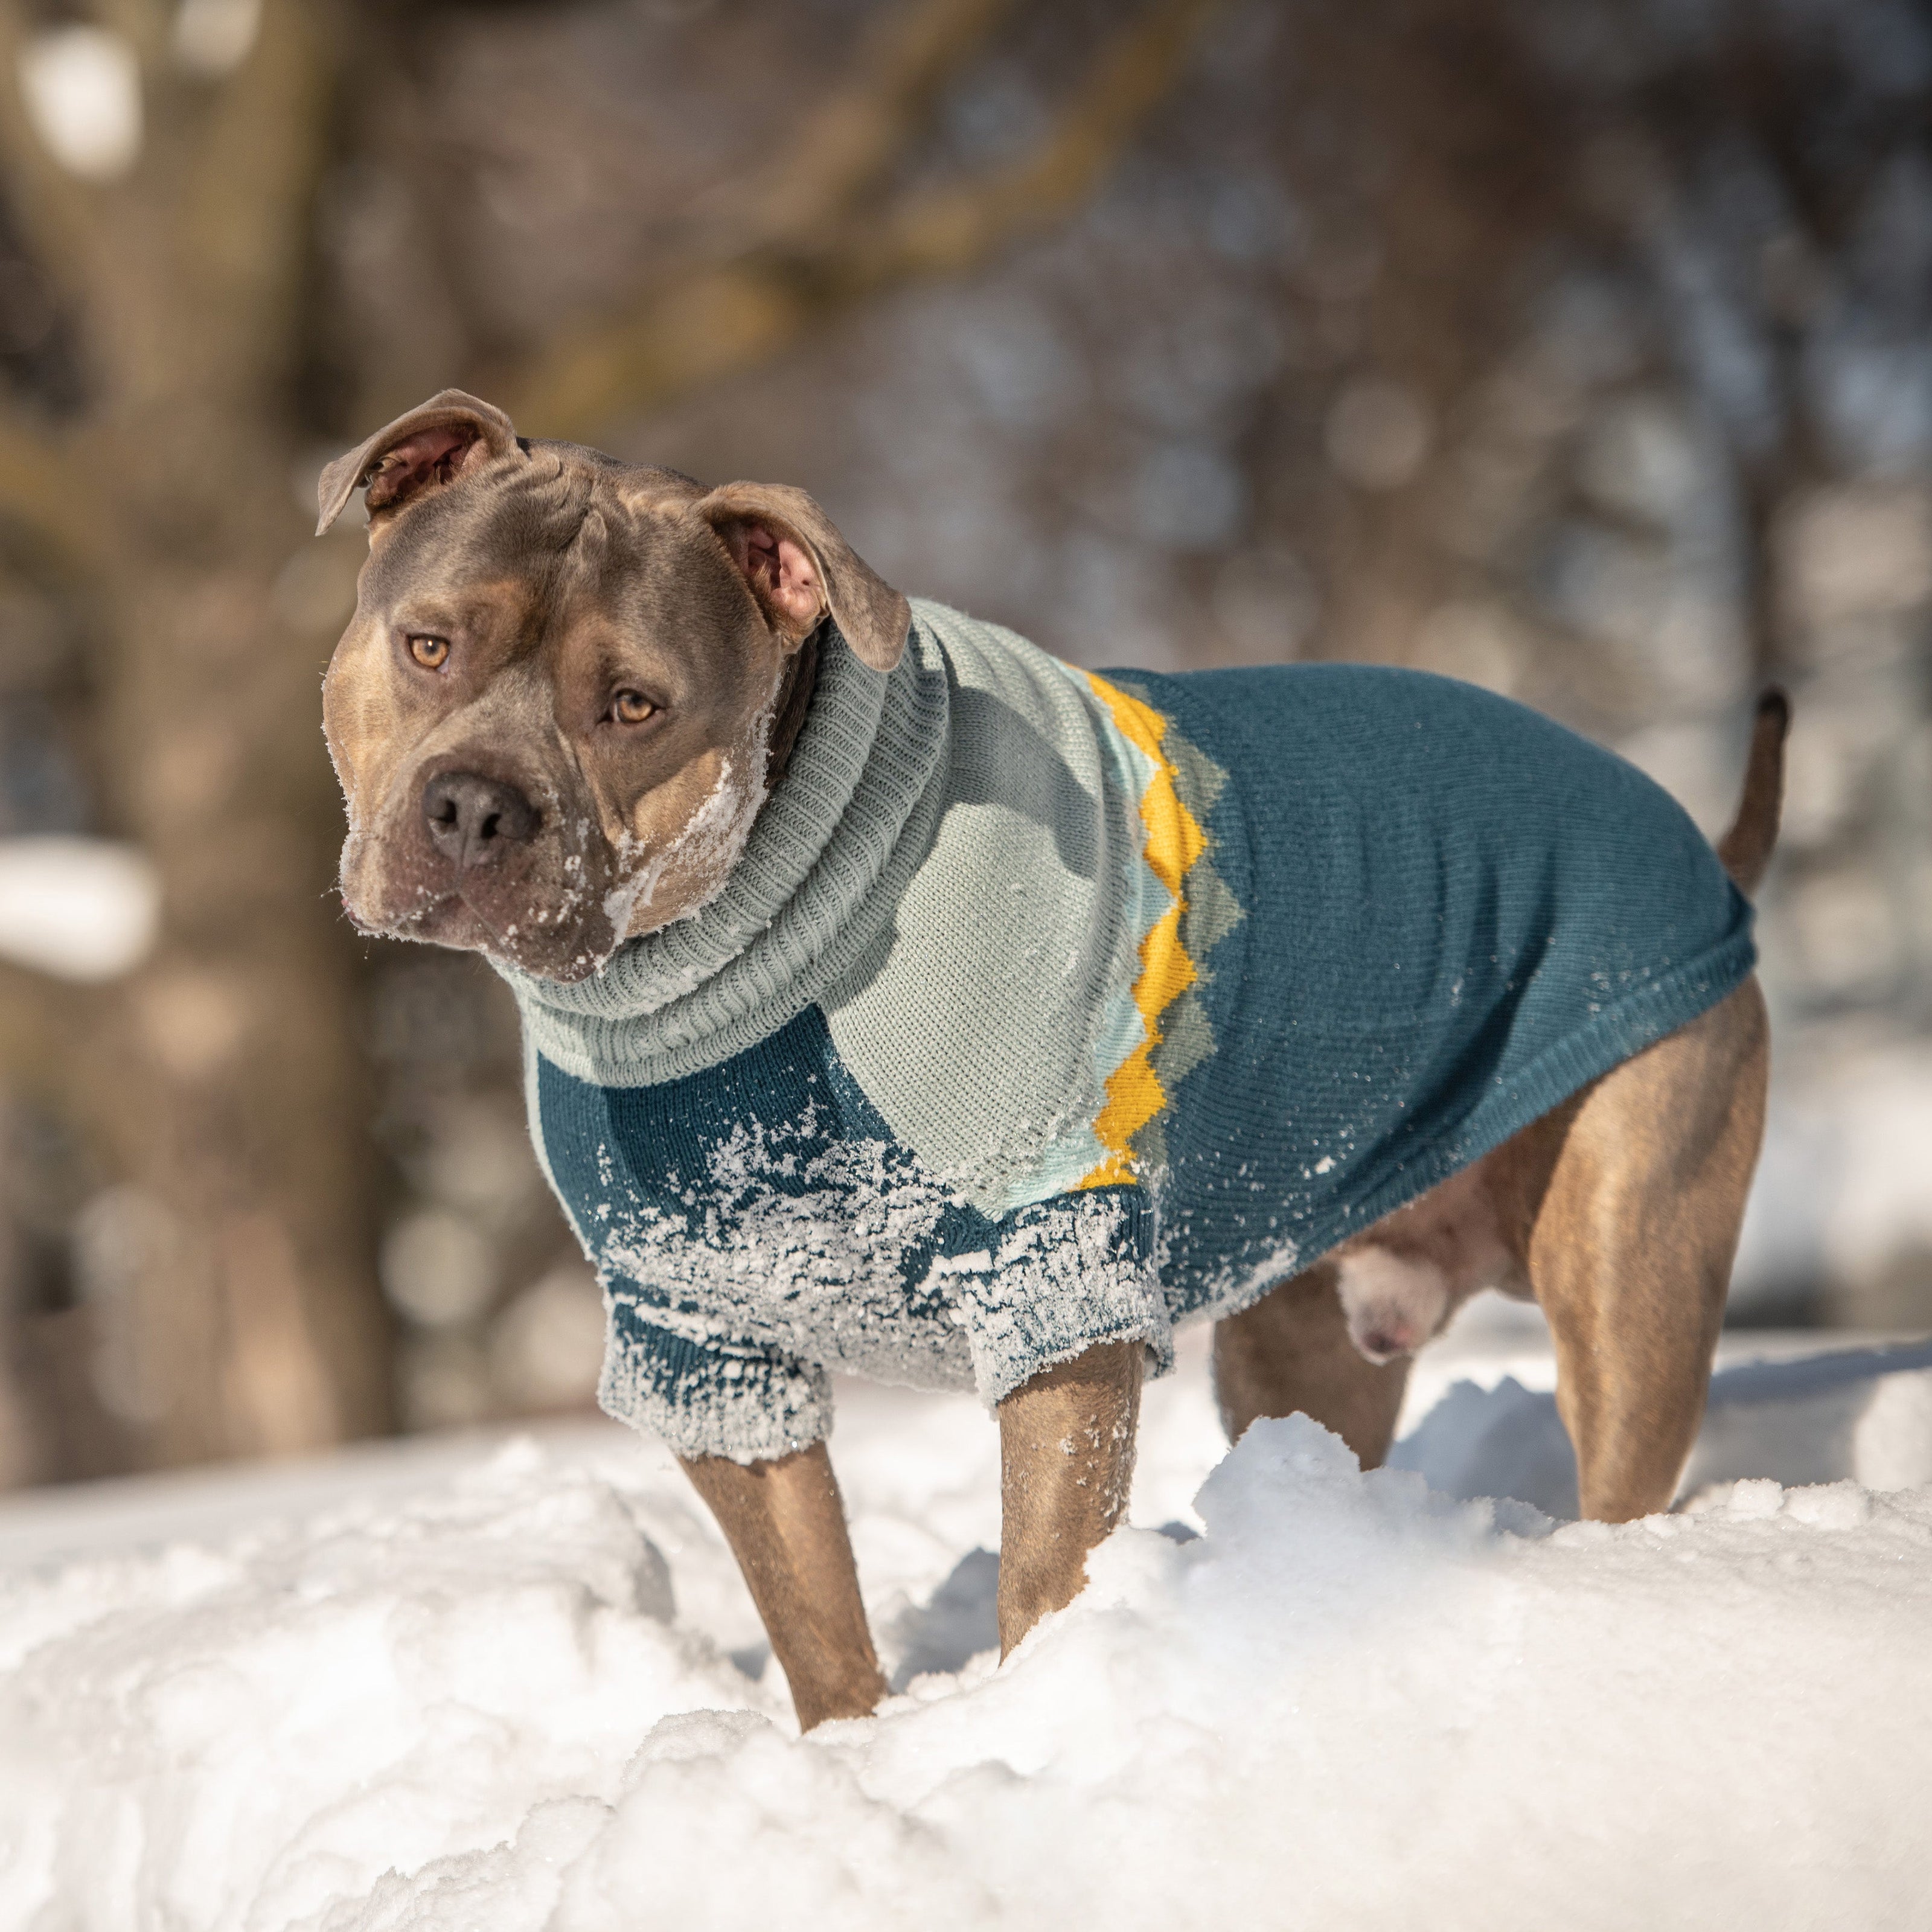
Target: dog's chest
[766, 1202]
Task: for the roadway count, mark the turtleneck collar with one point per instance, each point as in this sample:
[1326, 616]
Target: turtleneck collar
[853, 813]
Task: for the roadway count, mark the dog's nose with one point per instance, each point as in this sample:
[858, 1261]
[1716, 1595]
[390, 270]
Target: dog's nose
[471, 818]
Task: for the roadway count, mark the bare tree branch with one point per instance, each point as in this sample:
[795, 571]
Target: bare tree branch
[949, 229]
[714, 320]
[187, 271]
[191, 293]
[248, 185]
[184, 267]
[854, 138]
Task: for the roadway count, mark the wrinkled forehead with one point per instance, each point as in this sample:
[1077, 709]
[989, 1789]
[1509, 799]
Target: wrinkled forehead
[565, 531]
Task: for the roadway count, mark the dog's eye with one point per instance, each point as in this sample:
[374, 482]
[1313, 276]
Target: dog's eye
[432, 653]
[632, 707]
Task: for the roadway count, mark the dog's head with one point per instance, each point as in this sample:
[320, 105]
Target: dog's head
[552, 713]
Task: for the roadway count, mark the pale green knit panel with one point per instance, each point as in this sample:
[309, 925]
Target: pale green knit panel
[942, 869]
[973, 1031]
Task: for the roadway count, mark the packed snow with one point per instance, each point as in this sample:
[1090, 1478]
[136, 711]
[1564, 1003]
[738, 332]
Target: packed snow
[498, 1685]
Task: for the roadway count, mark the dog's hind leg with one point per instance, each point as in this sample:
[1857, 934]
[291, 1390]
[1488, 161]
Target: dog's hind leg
[1630, 1252]
[1290, 1353]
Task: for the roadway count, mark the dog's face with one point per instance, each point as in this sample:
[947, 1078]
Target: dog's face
[551, 713]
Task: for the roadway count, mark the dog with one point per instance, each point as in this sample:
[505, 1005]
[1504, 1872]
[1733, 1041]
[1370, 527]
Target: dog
[897, 998]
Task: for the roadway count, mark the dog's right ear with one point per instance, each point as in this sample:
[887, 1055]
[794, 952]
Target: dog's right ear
[798, 567]
[432, 446]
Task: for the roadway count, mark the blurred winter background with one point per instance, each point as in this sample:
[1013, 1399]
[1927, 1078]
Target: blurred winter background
[1580, 348]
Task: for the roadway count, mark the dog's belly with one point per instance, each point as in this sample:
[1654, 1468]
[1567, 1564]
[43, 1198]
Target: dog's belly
[1401, 1280]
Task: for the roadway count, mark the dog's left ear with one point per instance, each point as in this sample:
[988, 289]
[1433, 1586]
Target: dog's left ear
[433, 444]
[798, 567]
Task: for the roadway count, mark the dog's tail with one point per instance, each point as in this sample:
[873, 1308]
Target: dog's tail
[1746, 848]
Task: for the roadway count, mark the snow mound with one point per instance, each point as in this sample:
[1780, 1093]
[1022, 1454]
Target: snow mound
[1351, 1701]
[1862, 1413]
[240, 1734]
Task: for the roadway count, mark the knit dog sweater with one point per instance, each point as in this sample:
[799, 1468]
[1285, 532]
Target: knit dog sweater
[1046, 1008]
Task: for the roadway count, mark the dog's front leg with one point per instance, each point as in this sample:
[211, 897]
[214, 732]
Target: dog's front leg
[786, 1526]
[1067, 1459]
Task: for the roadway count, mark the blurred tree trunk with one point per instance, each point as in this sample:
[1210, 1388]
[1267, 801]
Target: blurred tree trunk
[221, 1078]
[230, 1272]
[1457, 161]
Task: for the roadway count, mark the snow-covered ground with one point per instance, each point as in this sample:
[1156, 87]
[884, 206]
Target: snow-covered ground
[496, 1684]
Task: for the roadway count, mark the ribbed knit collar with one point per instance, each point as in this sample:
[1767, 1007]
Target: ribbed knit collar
[852, 816]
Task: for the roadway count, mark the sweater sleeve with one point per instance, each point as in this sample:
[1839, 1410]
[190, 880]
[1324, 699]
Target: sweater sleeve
[1058, 1278]
[706, 1394]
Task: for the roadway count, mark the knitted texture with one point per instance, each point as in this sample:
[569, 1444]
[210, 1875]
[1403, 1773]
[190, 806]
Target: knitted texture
[1148, 991]
[980, 773]
[1457, 913]
[758, 1225]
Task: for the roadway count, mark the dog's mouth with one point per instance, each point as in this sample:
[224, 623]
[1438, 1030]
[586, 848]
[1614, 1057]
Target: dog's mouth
[397, 893]
[553, 897]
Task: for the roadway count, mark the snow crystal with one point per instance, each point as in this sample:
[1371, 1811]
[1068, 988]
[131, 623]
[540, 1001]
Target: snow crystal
[793, 1254]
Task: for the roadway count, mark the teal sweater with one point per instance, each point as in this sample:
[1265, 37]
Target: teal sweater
[1044, 1009]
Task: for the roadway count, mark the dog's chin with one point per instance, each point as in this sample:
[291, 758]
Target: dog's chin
[563, 959]
[533, 943]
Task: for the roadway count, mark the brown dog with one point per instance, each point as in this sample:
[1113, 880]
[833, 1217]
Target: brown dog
[567, 692]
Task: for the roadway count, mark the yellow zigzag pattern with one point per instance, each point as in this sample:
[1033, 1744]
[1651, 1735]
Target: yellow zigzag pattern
[1174, 841]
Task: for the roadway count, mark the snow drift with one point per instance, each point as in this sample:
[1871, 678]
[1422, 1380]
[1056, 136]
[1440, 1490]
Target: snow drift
[504, 1689]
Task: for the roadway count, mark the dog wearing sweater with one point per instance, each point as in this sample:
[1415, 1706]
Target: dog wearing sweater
[900, 1001]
